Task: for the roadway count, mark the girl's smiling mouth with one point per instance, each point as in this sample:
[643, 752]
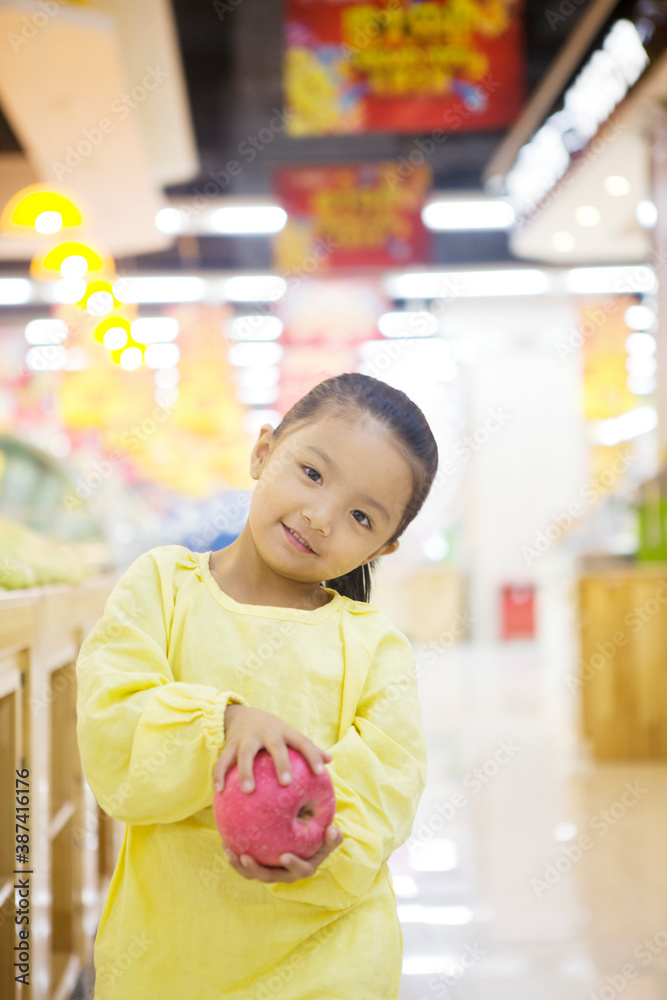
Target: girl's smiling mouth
[295, 539]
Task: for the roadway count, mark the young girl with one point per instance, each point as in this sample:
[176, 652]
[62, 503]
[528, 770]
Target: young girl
[203, 659]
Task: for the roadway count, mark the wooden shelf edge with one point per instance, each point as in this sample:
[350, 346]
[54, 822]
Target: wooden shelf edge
[65, 970]
[60, 819]
[6, 886]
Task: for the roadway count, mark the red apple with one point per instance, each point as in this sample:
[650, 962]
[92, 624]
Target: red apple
[275, 819]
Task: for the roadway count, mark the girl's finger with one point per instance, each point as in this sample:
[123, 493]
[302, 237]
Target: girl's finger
[315, 757]
[278, 751]
[245, 760]
[221, 766]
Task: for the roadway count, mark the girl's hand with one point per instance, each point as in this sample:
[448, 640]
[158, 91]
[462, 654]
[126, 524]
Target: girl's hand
[295, 868]
[248, 730]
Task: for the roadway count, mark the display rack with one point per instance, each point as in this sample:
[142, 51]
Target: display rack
[73, 844]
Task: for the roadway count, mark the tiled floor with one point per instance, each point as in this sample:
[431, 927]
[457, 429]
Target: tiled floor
[533, 873]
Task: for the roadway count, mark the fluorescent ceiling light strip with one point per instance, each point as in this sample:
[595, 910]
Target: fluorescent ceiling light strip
[629, 425]
[248, 220]
[619, 280]
[162, 288]
[467, 284]
[477, 214]
[15, 291]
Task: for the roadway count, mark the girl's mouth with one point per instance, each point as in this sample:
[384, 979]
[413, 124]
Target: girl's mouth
[296, 540]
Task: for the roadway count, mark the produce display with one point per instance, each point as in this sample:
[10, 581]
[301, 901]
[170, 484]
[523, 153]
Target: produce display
[30, 559]
[275, 819]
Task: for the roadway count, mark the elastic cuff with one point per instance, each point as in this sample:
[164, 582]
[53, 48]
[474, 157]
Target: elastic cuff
[216, 729]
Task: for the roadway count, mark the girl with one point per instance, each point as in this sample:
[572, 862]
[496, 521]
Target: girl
[201, 659]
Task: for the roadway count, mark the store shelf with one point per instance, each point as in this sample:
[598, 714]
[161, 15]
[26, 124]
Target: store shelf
[41, 631]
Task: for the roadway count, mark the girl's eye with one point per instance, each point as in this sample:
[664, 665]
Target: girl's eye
[362, 519]
[308, 469]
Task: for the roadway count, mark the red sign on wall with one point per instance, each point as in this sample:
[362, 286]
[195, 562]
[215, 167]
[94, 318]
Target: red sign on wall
[402, 65]
[359, 215]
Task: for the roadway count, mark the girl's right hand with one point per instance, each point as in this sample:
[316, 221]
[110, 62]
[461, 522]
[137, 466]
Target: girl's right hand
[248, 730]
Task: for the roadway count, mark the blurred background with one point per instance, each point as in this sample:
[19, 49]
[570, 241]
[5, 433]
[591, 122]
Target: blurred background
[209, 207]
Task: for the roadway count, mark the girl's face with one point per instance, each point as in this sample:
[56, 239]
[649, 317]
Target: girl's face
[329, 496]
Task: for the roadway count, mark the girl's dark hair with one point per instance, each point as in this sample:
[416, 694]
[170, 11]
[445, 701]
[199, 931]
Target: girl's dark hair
[402, 418]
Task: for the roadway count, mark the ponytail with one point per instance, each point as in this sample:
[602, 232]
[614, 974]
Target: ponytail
[356, 584]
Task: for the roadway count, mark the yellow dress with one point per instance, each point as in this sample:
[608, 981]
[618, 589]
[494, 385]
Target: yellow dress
[155, 675]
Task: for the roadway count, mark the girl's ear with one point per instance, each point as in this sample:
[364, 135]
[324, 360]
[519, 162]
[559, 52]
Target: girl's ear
[385, 550]
[261, 450]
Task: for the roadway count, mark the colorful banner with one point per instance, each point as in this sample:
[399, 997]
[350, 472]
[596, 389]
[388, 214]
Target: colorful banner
[402, 66]
[358, 215]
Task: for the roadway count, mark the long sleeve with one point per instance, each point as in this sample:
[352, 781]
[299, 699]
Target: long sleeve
[379, 773]
[148, 743]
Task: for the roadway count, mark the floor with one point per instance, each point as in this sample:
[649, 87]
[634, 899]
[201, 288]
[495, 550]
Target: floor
[532, 873]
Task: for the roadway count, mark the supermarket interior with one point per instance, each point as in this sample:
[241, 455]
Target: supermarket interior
[208, 207]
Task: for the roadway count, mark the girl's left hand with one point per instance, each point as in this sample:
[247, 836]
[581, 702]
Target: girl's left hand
[295, 868]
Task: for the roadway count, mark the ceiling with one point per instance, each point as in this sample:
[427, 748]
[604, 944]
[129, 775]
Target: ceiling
[232, 65]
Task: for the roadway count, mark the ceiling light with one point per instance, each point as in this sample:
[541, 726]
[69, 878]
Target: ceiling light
[46, 357]
[640, 345]
[621, 280]
[467, 284]
[254, 288]
[255, 354]
[641, 367]
[154, 329]
[639, 318]
[563, 241]
[74, 266]
[258, 376]
[616, 185]
[640, 385]
[48, 222]
[115, 337]
[162, 355]
[258, 395]
[100, 303]
[647, 214]
[587, 215]
[46, 331]
[131, 359]
[473, 214]
[255, 327]
[408, 324]
[169, 220]
[67, 291]
[629, 425]
[163, 288]
[14, 291]
[248, 219]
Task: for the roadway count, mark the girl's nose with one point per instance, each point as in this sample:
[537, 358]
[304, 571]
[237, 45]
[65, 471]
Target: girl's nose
[318, 520]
